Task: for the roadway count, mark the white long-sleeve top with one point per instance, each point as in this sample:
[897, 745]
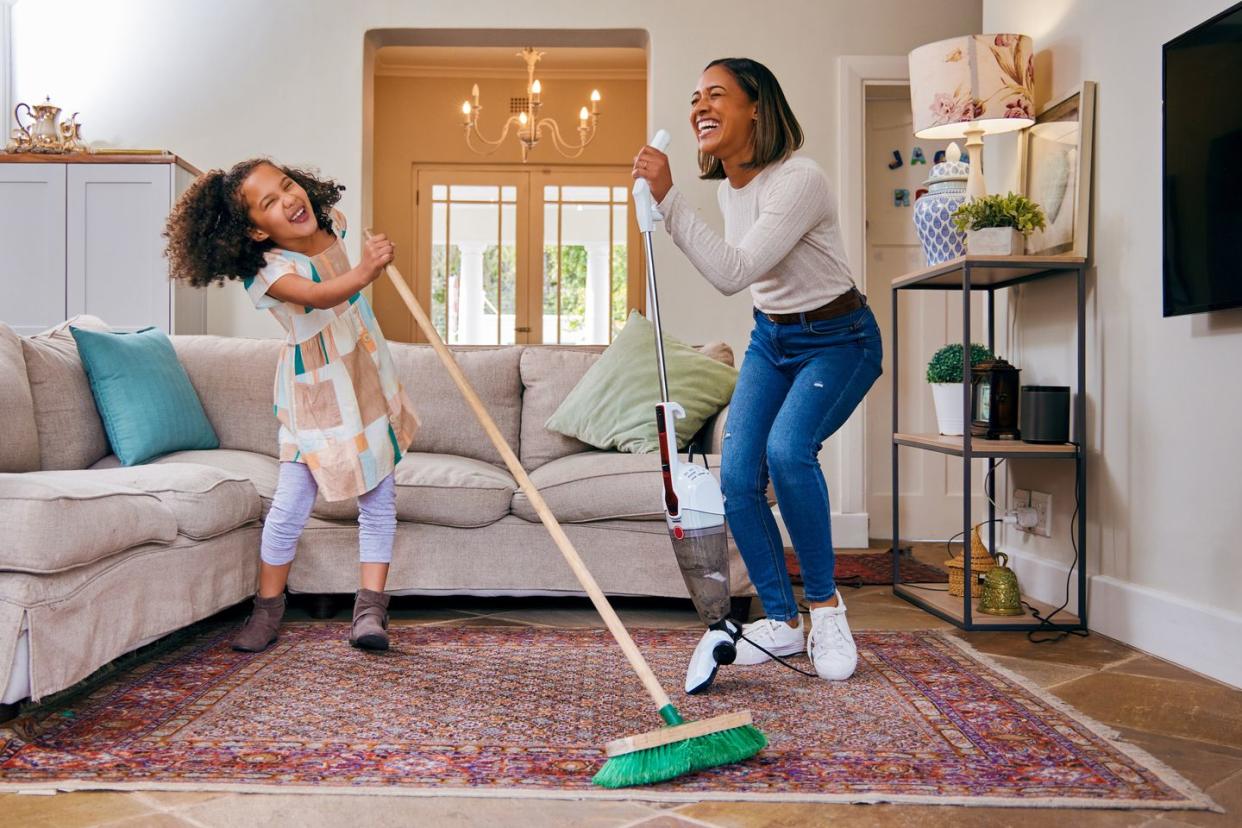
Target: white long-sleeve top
[782, 239]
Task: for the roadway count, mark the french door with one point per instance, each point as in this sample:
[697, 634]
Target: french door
[527, 256]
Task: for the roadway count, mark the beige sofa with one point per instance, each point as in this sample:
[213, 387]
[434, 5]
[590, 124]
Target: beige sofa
[99, 560]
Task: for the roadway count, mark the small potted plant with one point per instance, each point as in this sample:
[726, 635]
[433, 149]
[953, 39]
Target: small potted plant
[944, 372]
[997, 225]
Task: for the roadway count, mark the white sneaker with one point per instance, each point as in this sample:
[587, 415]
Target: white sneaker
[774, 636]
[831, 644]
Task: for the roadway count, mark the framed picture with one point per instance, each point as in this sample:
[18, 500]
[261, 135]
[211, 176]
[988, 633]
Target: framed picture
[1056, 174]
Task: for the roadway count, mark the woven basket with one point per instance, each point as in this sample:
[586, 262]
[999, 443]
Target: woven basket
[980, 562]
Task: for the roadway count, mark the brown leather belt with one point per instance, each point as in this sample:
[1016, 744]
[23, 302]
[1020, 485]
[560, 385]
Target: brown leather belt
[847, 302]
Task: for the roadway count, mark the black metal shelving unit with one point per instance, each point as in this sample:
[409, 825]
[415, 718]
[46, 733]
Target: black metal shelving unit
[990, 274]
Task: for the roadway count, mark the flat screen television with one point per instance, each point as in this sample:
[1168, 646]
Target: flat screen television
[1203, 167]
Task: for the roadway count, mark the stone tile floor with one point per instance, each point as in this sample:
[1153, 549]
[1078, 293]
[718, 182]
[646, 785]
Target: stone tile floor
[1191, 723]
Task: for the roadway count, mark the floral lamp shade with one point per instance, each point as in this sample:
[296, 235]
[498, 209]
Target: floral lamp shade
[983, 82]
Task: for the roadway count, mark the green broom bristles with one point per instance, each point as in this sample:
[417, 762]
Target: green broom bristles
[657, 764]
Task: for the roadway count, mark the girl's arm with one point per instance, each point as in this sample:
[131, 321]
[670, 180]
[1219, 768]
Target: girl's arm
[376, 254]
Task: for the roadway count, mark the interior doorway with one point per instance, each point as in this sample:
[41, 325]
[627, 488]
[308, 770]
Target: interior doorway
[893, 175]
[499, 249]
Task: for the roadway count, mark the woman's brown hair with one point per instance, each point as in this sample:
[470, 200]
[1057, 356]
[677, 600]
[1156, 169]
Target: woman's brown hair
[777, 133]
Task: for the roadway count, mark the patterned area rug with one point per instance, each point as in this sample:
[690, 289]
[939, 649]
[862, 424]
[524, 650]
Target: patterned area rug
[871, 569]
[507, 711]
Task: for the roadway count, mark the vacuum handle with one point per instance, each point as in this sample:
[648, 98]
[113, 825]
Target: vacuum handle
[667, 415]
[646, 214]
[644, 204]
[624, 640]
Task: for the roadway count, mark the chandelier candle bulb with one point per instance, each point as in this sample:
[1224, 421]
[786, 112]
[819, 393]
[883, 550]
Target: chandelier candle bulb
[465, 112]
[535, 89]
[582, 116]
[594, 101]
[474, 93]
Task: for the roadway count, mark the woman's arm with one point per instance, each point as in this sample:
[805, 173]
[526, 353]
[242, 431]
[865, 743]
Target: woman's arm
[789, 209]
[376, 254]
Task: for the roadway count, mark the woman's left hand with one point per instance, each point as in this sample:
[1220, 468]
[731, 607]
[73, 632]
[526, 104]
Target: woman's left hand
[652, 165]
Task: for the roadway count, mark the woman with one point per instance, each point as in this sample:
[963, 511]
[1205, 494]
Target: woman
[814, 351]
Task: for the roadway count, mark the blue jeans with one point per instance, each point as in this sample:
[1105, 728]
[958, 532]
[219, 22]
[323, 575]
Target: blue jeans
[799, 383]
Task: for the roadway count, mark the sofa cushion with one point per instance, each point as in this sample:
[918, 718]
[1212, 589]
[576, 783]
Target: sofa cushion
[548, 375]
[206, 501]
[612, 406]
[57, 520]
[600, 485]
[447, 490]
[71, 435]
[142, 393]
[431, 488]
[448, 424]
[234, 379]
[19, 450]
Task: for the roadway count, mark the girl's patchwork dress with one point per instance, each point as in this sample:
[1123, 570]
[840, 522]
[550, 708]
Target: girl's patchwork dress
[342, 411]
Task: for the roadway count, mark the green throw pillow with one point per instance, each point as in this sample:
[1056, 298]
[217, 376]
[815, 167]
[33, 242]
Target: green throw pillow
[613, 405]
[144, 396]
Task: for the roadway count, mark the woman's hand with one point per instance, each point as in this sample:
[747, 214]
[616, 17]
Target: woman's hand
[377, 253]
[652, 165]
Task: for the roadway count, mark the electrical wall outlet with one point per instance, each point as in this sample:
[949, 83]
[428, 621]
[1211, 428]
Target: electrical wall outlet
[1041, 502]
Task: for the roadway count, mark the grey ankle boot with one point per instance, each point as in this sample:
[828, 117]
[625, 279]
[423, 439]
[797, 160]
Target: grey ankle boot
[259, 631]
[369, 630]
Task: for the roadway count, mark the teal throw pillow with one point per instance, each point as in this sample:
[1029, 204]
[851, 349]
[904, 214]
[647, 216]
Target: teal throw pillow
[613, 405]
[144, 396]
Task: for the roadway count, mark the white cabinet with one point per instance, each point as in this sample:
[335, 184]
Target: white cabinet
[83, 237]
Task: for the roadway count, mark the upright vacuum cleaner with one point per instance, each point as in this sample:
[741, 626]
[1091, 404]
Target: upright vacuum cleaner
[693, 503]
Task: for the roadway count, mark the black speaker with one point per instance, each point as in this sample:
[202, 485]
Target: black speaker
[1044, 413]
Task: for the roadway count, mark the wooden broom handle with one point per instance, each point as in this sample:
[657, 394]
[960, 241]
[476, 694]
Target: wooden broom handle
[645, 674]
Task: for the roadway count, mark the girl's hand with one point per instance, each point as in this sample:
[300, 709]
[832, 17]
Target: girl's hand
[652, 165]
[377, 253]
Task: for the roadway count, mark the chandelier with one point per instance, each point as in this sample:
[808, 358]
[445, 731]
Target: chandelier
[529, 125]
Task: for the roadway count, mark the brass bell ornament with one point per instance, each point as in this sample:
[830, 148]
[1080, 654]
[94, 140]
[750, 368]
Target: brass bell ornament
[1000, 594]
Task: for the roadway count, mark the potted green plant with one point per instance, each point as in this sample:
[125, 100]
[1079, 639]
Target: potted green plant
[998, 225]
[944, 372]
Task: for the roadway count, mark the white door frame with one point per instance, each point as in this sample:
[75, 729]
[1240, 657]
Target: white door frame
[854, 74]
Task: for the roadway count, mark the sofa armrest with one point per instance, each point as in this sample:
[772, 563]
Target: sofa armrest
[710, 439]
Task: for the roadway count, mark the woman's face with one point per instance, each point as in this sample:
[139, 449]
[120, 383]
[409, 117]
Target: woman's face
[722, 116]
[278, 206]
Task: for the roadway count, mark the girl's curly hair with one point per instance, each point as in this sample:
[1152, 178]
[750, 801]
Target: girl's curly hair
[208, 231]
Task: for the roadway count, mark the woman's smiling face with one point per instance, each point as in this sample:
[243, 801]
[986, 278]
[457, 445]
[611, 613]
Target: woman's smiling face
[722, 116]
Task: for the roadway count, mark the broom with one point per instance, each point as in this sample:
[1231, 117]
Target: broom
[679, 747]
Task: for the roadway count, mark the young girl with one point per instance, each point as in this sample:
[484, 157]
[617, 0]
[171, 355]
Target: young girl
[344, 418]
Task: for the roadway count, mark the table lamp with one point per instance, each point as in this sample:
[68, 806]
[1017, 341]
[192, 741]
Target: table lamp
[969, 86]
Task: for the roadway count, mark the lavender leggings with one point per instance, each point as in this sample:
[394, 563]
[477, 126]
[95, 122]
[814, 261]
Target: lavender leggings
[291, 506]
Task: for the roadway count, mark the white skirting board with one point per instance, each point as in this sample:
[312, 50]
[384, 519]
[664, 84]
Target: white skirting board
[1205, 639]
[849, 529]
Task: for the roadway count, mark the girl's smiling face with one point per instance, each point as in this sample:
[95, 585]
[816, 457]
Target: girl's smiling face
[278, 207]
[722, 116]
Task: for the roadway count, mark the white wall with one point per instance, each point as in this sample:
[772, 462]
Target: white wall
[223, 80]
[1163, 394]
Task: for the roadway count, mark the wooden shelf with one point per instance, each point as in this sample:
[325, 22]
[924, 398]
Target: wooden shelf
[987, 272]
[936, 598]
[980, 447]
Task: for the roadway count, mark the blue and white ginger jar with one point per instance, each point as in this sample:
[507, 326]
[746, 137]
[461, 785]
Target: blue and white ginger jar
[946, 191]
